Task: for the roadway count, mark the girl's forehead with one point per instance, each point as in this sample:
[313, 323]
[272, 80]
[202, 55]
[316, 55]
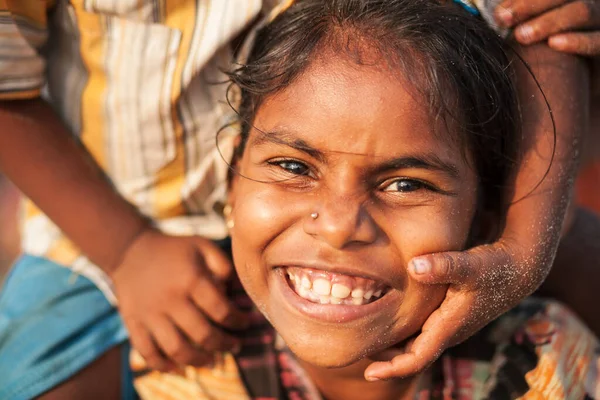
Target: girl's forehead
[340, 107]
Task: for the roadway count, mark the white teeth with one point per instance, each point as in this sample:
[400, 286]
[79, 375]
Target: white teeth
[304, 293]
[335, 300]
[322, 291]
[313, 296]
[322, 287]
[340, 291]
[306, 283]
[357, 301]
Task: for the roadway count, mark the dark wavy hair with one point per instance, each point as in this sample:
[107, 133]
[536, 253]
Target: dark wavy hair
[453, 59]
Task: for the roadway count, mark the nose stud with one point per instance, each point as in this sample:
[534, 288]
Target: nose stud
[314, 215]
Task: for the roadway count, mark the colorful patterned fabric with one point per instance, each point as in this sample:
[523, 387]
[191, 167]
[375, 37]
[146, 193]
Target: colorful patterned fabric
[539, 350]
[136, 81]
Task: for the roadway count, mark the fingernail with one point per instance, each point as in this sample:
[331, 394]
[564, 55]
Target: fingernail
[421, 266]
[558, 42]
[505, 16]
[525, 34]
[372, 378]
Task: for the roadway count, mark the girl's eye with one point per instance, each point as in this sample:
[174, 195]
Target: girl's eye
[405, 186]
[291, 166]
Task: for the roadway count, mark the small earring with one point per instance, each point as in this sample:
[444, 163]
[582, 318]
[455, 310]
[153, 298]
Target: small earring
[227, 214]
[314, 215]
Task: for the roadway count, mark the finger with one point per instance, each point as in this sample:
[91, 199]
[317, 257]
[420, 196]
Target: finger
[215, 259]
[572, 16]
[512, 12]
[190, 320]
[584, 44]
[388, 354]
[445, 268]
[424, 350]
[174, 345]
[217, 307]
[142, 341]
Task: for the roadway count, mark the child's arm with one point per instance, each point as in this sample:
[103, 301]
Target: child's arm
[164, 284]
[567, 27]
[488, 280]
[40, 156]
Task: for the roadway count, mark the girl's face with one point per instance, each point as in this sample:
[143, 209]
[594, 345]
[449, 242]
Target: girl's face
[344, 179]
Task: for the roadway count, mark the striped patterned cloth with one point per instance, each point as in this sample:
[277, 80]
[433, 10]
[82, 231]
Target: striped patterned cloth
[135, 80]
[538, 351]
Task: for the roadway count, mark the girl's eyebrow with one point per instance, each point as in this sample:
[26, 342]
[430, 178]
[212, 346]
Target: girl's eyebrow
[428, 161]
[289, 139]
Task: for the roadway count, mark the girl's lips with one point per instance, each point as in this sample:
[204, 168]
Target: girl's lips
[338, 313]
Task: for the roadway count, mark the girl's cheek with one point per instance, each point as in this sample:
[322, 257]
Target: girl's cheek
[428, 234]
[261, 212]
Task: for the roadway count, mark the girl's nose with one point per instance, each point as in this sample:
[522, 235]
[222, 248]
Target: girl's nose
[341, 222]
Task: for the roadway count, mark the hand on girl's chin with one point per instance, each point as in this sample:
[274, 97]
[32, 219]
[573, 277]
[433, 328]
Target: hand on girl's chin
[402, 346]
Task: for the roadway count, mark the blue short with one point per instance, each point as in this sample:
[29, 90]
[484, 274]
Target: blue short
[52, 325]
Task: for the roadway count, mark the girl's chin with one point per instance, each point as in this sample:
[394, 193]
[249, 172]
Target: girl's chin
[332, 351]
[331, 359]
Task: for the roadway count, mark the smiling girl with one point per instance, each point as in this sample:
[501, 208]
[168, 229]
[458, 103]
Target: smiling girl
[373, 132]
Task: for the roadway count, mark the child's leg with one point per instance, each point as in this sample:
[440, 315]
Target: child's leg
[53, 325]
[100, 380]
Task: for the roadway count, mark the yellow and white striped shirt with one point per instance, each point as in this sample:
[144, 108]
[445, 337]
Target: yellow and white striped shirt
[135, 81]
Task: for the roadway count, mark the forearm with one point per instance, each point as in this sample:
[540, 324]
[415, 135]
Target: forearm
[51, 168]
[538, 213]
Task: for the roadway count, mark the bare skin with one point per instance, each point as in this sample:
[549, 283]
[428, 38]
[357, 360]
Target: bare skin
[86, 384]
[167, 287]
[570, 27]
[60, 177]
[80, 181]
[567, 26]
[376, 210]
[529, 237]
